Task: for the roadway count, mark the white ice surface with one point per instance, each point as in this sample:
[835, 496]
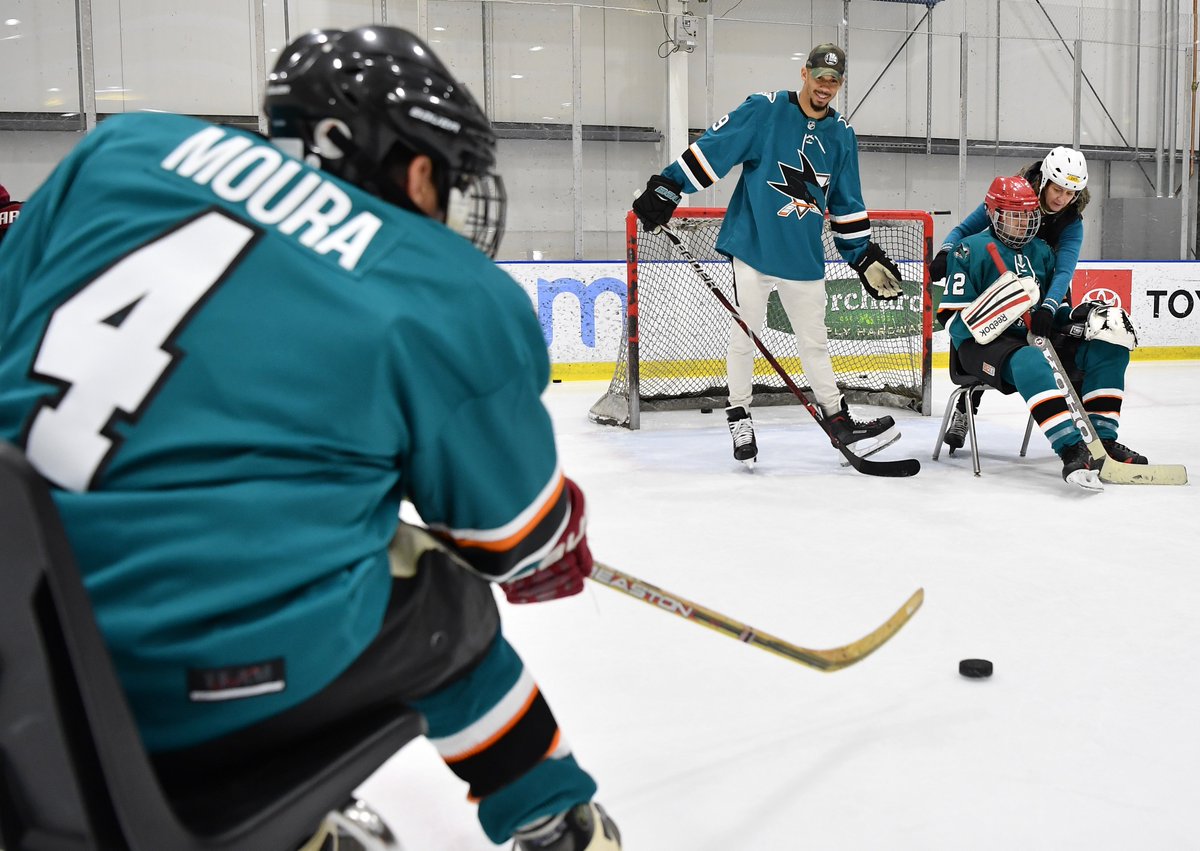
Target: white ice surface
[1086, 737]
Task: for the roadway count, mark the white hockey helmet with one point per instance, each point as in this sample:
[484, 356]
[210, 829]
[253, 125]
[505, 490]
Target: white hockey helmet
[1066, 167]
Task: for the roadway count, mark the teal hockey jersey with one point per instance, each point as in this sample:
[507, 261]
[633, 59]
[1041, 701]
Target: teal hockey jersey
[232, 367]
[970, 270]
[794, 169]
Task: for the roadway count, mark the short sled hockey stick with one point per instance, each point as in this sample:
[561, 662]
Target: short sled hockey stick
[833, 659]
[1111, 471]
[894, 469]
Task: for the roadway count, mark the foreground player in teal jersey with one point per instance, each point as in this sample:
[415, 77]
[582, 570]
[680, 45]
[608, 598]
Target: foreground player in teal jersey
[1093, 338]
[233, 365]
[799, 160]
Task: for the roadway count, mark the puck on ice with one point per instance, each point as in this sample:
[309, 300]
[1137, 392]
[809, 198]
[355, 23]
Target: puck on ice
[706, 410]
[976, 669]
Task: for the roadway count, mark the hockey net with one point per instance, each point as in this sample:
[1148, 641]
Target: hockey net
[673, 354]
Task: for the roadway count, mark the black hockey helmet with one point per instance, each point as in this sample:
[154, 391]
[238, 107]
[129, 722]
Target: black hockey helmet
[364, 102]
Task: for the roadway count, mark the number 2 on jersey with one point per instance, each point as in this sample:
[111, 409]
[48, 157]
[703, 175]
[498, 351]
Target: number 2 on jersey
[108, 346]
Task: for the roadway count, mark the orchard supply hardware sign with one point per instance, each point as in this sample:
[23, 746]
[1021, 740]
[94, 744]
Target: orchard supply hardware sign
[581, 308]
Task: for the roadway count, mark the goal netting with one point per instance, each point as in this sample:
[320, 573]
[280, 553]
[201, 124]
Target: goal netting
[673, 353]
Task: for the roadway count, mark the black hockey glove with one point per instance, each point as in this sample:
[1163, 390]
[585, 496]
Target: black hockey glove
[937, 266]
[1041, 321]
[880, 276]
[1080, 313]
[656, 204]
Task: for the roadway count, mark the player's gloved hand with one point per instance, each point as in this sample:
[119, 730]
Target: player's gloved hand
[659, 200]
[1080, 312]
[562, 571]
[937, 266]
[1110, 323]
[1041, 321]
[880, 276]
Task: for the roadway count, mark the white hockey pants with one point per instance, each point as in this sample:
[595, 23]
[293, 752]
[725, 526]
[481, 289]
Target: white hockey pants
[804, 302]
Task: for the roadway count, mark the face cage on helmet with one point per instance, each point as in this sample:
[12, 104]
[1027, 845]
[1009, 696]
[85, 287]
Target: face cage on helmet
[1015, 228]
[476, 210]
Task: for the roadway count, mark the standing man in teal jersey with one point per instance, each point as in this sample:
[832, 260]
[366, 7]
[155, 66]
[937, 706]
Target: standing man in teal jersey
[799, 161]
[232, 364]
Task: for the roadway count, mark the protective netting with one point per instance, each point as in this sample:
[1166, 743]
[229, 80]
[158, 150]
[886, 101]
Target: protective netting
[674, 351]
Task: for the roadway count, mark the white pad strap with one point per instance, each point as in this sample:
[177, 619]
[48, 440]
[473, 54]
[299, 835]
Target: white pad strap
[1111, 324]
[999, 306]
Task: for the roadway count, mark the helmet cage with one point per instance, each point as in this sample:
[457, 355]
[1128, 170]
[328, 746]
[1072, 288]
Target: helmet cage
[1013, 211]
[1016, 228]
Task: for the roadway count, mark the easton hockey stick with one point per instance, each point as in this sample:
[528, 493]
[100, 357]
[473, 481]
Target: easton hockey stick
[905, 467]
[1110, 471]
[833, 659]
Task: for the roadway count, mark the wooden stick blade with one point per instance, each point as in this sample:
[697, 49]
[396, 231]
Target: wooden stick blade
[833, 659]
[1143, 474]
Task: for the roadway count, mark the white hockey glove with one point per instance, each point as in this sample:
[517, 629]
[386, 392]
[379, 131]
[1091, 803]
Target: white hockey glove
[999, 306]
[879, 275]
[1109, 323]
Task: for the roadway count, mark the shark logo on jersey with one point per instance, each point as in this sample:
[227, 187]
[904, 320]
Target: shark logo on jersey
[795, 185]
[1023, 267]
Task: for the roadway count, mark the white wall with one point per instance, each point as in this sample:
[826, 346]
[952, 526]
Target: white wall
[199, 58]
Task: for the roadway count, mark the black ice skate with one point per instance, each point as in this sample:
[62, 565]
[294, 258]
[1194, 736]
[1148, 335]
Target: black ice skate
[862, 438]
[1121, 452]
[956, 432]
[741, 427]
[1079, 468]
[584, 827]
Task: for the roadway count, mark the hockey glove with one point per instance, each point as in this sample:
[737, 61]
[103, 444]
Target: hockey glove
[1109, 323]
[656, 204]
[880, 276]
[1041, 321]
[562, 571]
[937, 266]
[1080, 312]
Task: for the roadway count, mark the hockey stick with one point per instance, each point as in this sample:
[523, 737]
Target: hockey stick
[1111, 471]
[833, 659]
[905, 467]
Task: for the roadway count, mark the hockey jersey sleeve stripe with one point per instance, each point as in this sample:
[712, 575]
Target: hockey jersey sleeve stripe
[851, 218]
[523, 547]
[506, 536]
[851, 227]
[697, 168]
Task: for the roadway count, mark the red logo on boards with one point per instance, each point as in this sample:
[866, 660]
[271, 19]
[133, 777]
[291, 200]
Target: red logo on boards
[1111, 286]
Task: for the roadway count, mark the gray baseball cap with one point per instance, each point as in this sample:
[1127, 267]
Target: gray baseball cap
[827, 60]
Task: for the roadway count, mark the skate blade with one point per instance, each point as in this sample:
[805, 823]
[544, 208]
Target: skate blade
[1089, 480]
[882, 442]
[748, 463]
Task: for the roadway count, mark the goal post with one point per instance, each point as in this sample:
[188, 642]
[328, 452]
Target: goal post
[672, 354]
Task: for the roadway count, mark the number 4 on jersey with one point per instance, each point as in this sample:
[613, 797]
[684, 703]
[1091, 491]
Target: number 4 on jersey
[108, 346]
